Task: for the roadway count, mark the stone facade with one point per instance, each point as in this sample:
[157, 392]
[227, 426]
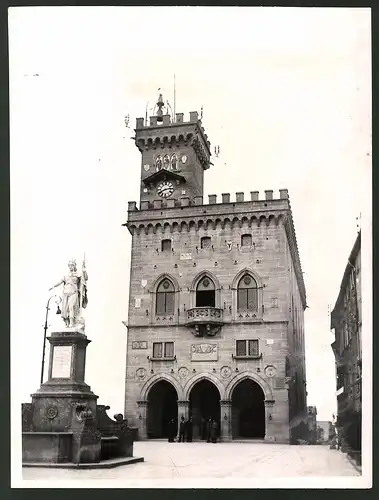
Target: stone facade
[346, 320]
[182, 239]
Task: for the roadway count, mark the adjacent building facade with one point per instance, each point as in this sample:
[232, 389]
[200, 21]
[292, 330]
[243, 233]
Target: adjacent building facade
[346, 320]
[217, 298]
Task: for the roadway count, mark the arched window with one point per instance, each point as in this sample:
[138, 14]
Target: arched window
[205, 293]
[247, 294]
[165, 302]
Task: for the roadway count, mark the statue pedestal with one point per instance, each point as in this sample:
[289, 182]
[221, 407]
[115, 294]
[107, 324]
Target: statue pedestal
[62, 424]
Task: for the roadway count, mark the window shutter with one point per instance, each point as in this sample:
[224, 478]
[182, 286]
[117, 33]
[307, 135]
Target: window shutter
[166, 245]
[241, 347]
[252, 303]
[169, 350]
[160, 306]
[246, 240]
[157, 350]
[242, 299]
[205, 242]
[253, 348]
[170, 302]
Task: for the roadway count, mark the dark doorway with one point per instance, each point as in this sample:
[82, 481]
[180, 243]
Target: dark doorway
[162, 406]
[205, 293]
[204, 402]
[248, 411]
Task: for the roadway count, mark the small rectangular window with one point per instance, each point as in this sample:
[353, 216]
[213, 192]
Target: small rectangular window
[253, 348]
[205, 242]
[241, 347]
[169, 349]
[157, 349]
[166, 245]
[246, 240]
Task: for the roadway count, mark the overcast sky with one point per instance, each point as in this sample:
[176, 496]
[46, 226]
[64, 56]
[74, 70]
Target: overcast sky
[286, 94]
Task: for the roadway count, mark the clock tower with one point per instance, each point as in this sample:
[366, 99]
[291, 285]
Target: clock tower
[175, 154]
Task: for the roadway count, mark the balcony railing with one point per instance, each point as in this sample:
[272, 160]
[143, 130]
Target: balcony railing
[205, 320]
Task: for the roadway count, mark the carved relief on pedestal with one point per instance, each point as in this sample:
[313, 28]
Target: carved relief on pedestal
[51, 412]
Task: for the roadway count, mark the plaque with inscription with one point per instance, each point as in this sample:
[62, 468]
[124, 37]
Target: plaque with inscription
[185, 256]
[204, 352]
[139, 344]
[61, 361]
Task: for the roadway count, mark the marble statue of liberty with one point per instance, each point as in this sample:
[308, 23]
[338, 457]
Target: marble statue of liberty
[74, 294]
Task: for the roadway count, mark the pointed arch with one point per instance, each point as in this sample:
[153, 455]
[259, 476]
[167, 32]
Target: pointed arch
[252, 376]
[249, 271]
[157, 378]
[164, 276]
[198, 278]
[203, 376]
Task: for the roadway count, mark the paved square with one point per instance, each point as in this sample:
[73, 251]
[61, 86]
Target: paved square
[165, 460]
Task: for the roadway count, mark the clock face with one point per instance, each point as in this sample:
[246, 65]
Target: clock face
[165, 189]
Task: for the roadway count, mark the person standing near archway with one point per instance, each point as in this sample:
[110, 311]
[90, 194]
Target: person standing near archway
[189, 429]
[171, 431]
[209, 429]
[182, 430]
[214, 431]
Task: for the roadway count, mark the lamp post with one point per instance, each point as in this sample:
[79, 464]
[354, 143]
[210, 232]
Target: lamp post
[58, 301]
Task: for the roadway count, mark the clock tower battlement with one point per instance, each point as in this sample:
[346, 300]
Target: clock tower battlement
[175, 154]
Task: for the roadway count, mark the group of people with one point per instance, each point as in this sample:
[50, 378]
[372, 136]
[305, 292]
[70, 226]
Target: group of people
[209, 430]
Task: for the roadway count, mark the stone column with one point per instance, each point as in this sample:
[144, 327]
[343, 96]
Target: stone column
[183, 407]
[226, 420]
[142, 419]
[270, 433]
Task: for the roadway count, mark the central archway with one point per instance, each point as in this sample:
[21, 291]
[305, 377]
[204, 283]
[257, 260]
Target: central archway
[248, 410]
[204, 403]
[162, 406]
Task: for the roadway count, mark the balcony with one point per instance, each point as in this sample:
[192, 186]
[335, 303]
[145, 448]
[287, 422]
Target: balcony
[204, 321]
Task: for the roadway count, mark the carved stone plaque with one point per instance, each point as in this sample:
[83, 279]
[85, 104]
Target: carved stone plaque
[185, 256]
[139, 344]
[204, 352]
[270, 371]
[226, 371]
[141, 373]
[61, 361]
[183, 372]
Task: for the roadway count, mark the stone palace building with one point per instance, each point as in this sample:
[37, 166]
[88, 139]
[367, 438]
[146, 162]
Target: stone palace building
[216, 305]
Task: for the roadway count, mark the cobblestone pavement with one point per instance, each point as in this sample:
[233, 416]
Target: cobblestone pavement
[183, 461]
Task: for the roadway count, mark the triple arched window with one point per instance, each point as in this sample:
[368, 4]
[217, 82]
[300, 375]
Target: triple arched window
[247, 294]
[165, 298]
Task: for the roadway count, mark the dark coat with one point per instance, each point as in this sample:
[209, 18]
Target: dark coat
[214, 430]
[172, 429]
[182, 427]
